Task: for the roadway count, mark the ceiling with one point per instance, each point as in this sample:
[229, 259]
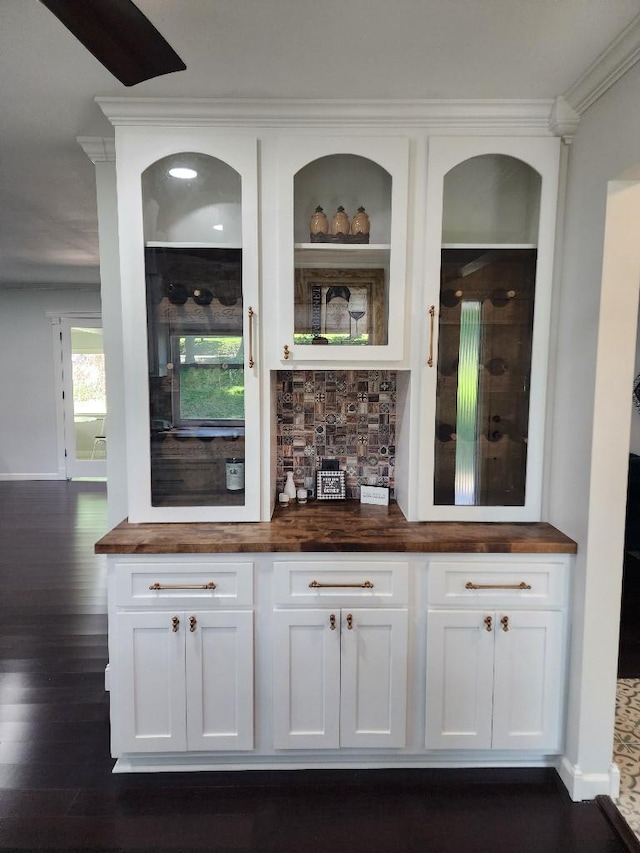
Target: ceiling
[468, 49]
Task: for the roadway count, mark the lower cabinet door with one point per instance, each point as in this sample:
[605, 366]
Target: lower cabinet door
[494, 679]
[373, 698]
[219, 683]
[340, 678]
[459, 679]
[529, 654]
[184, 681]
[149, 696]
[306, 679]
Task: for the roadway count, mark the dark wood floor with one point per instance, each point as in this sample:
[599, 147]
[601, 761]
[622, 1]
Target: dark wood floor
[57, 792]
[629, 648]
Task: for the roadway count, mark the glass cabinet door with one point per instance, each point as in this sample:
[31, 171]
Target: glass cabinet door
[343, 247]
[195, 313]
[487, 287]
[193, 410]
[490, 333]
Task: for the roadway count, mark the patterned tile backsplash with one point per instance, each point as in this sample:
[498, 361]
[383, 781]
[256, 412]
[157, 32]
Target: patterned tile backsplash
[348, 415]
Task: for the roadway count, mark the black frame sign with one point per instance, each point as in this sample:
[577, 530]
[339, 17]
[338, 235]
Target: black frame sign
[330, 485]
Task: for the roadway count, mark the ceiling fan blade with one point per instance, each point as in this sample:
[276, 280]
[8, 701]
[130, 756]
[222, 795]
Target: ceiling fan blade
[119, 36]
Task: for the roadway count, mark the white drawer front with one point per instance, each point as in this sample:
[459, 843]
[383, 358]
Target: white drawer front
[348, 582]
[460, 583]
[183, 584]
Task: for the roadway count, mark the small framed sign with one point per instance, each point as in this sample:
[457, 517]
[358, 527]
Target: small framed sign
[330, 485]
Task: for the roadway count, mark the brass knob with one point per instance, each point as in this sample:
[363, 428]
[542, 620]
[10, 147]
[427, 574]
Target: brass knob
[505, 623]
[286, 353]
[488, 621]
[192, 623]
[350, 621]
[175, 624]
[332, 622]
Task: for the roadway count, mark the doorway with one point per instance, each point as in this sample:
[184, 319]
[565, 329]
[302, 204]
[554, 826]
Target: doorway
[84, 397]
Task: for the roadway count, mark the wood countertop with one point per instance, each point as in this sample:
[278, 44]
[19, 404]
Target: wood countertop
[336, 527]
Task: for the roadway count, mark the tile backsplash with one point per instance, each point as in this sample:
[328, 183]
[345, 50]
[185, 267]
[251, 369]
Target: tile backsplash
[348, 415]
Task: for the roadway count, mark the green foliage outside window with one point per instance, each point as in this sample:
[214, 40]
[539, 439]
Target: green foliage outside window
[211, 378]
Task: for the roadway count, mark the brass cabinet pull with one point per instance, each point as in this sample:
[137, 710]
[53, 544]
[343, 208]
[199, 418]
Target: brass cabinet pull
[432, 315]
[363, 585]
[350, 621]
[332, 622]
[251, 312]
[488, 621]
[175, 624]
[286, 353]
[192, 623]
[505, 623]
[156, 586]
[521, 585]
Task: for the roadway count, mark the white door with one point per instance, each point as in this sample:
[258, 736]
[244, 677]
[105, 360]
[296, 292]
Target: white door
[459, 679]
[84, 398]
[306, 679]
[219, 660]
[148, 698]
[527, 680]
[373, 678]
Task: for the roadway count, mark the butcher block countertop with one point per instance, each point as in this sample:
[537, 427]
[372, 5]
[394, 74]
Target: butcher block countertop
[335, 527]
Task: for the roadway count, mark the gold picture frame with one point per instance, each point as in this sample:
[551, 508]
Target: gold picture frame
[340, 306]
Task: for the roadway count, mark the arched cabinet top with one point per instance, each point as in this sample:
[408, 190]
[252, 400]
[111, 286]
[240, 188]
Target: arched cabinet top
[491, 199]
[191, 197]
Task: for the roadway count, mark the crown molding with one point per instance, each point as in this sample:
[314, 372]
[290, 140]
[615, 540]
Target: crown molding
[98, 149]
[608, 68]
[564, 120]
[529, 117]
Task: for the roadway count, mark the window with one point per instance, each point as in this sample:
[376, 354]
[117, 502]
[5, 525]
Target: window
[208, 386]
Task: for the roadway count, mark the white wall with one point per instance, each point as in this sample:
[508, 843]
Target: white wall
[28, 426]
[593, 367]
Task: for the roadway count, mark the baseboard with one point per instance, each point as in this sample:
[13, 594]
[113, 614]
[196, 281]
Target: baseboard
[587, 786]
[48, 476]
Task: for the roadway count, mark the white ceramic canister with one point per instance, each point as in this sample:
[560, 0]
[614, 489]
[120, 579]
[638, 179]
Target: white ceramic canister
[235, 474]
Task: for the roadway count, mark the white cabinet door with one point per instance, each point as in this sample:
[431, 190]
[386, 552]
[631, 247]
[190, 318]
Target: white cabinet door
[349, 171]
[306, 679]
[373, 706]
[459, 679]
[219, 681]
[527, 680]
[340, 678]
[494, 679]
[184, 685]
[149, 697]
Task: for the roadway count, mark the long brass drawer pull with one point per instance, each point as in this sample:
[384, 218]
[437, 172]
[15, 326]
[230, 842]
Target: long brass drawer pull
[156, 586]
[251, 313]
[521, 585]
[363, 585]
[432, 314]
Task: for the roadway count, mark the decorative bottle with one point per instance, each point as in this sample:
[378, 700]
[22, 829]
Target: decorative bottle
[360, 223]
[340, 223]
[319, 223]
[290, 487]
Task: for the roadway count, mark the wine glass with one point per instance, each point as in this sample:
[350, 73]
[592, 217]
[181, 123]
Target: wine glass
[356, 315]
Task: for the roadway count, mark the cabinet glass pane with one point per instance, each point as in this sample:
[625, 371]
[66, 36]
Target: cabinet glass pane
[342, 232]
[487, 289]
[193, 264]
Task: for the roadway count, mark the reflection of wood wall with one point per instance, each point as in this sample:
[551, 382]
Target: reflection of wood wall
[211, 319]
[505, 369]
[188, 471]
